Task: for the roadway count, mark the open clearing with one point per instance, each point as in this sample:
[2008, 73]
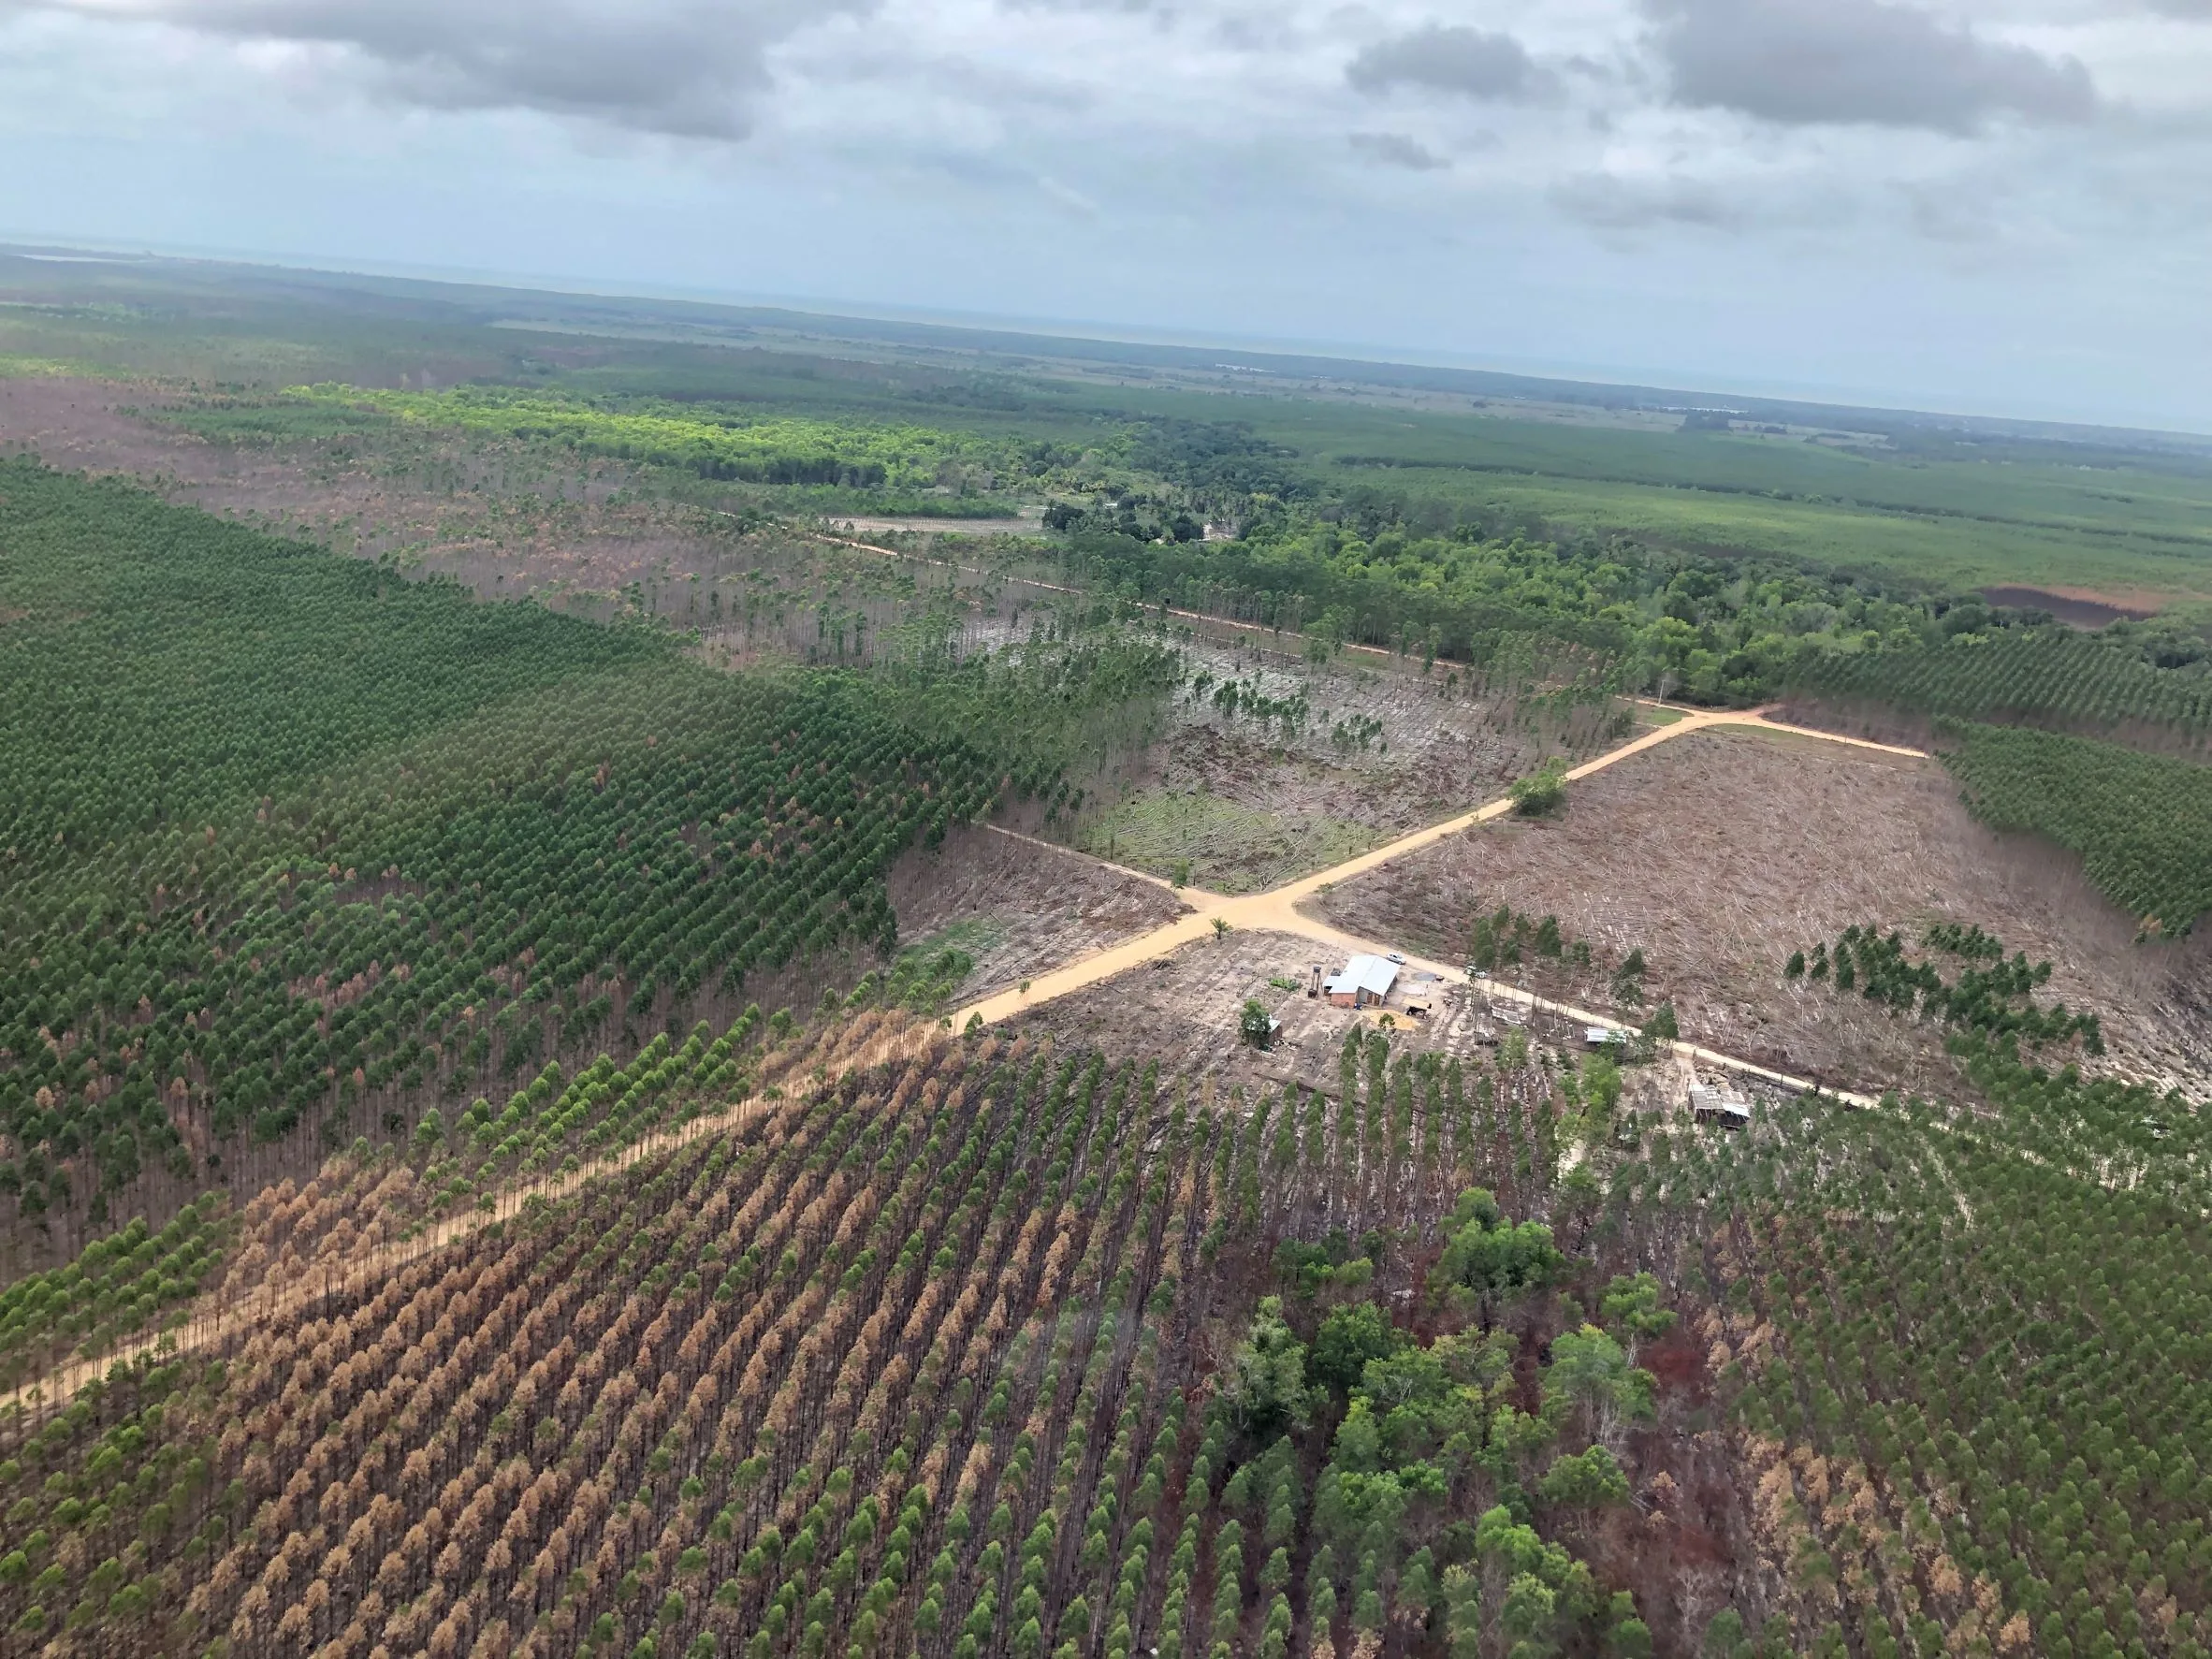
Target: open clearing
[1252, 803]
[506, 521]
[1016, 905]
[1182, 1010]
[1725, 849]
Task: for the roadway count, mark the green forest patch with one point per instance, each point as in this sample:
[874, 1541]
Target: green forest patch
[2141, 822]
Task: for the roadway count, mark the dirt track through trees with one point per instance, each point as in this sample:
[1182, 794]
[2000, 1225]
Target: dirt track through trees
[214, 1319]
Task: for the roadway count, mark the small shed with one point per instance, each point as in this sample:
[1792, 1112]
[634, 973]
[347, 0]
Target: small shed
[1600, 1036]
[1362, 982]
[1713, 1105]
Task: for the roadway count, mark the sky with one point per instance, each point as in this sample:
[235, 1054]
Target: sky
[2002, 207]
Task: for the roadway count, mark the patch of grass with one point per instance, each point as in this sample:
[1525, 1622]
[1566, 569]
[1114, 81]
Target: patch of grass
[19, 367]
[902, 459]
[1229, 847]
[972, 936]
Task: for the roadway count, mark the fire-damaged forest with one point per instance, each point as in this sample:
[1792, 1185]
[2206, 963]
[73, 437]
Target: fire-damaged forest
[663, 1001]
[998, 1349]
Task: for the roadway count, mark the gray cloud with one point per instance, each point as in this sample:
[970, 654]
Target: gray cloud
[1471, 61]
[688, 68]
[1398, 151]
[1859, 61]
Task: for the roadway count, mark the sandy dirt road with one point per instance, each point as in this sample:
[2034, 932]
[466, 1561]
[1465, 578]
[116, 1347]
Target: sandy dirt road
[1278, 911]
[213, 1318]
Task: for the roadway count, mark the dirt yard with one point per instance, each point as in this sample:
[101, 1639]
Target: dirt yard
[1017, 908]
[1183, 1009]
[1720, 852]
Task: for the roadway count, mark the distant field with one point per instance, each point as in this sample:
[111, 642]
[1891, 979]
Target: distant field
[2126, 529]
[1956, 553]
[2109, 519]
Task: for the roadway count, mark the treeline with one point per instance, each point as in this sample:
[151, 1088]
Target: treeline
[1710, 630]
[2141, 823]
[1354, 567]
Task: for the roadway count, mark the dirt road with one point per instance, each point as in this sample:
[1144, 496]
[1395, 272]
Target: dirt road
[214, 1320]
[1278, 911]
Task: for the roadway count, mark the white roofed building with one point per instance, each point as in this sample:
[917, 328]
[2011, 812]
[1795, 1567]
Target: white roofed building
[1360, 982]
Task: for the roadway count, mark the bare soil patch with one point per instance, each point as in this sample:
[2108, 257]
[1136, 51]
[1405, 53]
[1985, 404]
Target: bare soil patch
[2075, 607]
[1016, 907]
[1720, 852]
[1183, 1009]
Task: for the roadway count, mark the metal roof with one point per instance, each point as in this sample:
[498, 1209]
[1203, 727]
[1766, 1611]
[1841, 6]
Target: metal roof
[1370, 974]
[1704, 1098]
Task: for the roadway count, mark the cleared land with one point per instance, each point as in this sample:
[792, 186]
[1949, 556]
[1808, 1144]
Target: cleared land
[1181, 1009]
[505, 518]
[1017, 907]
[1250, 803]
[1721, 851]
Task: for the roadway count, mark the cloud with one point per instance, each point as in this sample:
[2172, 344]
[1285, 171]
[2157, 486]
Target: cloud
[686, 68]
[1803, 62]
[1610, 202]
[1397, 151]
[1471, 61]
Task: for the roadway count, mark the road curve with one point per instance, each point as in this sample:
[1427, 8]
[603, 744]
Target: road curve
[1275, 911]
